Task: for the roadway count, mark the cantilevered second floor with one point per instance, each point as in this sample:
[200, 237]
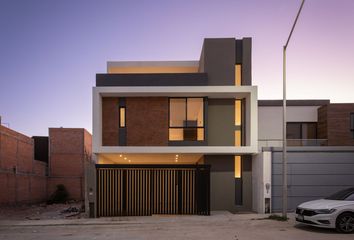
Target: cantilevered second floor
[206, 106]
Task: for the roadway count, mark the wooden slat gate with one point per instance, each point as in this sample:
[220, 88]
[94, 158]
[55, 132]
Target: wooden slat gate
[142, 190]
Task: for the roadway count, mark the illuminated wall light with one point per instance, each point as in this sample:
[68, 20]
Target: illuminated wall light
[129, 160]
[120, 155]
[176, 155]
[125, 158]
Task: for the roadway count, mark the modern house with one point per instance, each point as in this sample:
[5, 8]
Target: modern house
[190, 137]
[188, 115]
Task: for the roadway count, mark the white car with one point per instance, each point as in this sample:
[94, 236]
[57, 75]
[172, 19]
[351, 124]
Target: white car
[335, 211]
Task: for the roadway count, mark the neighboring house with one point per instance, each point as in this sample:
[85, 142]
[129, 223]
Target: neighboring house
[187, 137]
[31, 168]
[320, 143]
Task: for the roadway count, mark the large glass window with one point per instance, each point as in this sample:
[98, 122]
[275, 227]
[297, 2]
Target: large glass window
[186, 121]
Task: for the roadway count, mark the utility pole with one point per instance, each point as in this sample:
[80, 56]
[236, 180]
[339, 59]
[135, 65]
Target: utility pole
[285, 163]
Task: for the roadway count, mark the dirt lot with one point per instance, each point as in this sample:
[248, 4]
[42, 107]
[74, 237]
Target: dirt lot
[220, 225]
[41, 211]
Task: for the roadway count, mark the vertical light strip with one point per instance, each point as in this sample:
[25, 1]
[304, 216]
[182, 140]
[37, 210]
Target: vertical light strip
[238, 112]
[122, 117]
[238, 75]
[238, 122]
[237, 166]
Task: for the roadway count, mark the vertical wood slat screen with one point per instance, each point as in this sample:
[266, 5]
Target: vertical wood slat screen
[147, 190]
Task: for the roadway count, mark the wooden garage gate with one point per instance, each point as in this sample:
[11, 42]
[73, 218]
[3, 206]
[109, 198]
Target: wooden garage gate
[143, 190]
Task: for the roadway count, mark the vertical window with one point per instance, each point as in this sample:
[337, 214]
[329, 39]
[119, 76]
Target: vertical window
[238, 122]
[237, 166]
[186, 119]
[238, 75]
[238, 138]
[122, 117]
[352, 123]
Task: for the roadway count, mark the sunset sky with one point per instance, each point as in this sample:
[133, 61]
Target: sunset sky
[51, 50]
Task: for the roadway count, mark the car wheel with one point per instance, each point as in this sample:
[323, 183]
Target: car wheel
[345, 223]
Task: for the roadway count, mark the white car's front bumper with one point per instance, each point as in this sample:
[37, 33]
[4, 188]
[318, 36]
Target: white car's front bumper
[318, 220]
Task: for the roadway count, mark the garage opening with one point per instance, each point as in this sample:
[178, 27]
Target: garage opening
[143, 190]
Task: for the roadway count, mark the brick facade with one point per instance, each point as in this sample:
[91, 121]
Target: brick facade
[334, 124]
[147, 121]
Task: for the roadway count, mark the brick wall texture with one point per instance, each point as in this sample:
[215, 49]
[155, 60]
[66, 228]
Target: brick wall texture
[147, 121]
[25, 180]
[68, 151]
[334, 124]
[22, 178]
[110, 123]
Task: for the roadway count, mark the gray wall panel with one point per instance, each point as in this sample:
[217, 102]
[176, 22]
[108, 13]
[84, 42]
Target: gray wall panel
[222, 183]
[219, 60]
[309, 191]
[316, 157]
[246, 61]
[221, 122]
[312, 175]
[314, 169]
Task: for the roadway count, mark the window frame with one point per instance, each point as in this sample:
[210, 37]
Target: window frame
[120, 117]
[186, 121]
[301, 132]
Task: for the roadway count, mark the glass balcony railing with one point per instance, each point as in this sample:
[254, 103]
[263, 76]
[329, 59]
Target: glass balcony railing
[293, 142]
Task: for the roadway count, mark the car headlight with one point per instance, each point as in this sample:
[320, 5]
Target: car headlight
[325, 211]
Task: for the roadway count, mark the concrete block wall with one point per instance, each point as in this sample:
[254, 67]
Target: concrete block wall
[22, 178]
[69, 148]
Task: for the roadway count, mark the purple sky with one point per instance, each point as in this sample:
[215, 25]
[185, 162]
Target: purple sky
[51, 50]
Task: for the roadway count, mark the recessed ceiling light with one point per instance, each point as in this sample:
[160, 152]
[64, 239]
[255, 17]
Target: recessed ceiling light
[176, 160]
[120, 155]
[125, 158]
[176, 155]
[129, 160]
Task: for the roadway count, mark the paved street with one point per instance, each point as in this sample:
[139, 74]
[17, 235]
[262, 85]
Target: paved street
[218, 226]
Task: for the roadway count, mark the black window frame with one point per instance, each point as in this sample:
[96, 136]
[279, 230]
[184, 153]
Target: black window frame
[301, 125]
[186, 121]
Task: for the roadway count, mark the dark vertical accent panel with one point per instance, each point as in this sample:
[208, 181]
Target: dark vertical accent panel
[218, 60]
[246, 61]
[122, 130]
[238, 190]
[239, 51]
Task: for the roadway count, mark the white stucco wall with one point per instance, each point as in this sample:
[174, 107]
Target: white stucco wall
[270, 119]
[261, 176]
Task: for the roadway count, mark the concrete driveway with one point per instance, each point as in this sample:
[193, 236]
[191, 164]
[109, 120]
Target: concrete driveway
[220, 225]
